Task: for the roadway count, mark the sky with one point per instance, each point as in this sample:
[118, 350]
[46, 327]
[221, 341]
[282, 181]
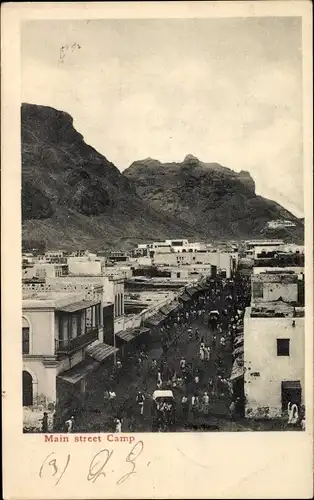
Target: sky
[226, 90]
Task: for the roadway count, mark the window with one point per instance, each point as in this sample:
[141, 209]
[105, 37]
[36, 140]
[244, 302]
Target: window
[257, 289]
[25, 336]
[283, 347]
[25, 340]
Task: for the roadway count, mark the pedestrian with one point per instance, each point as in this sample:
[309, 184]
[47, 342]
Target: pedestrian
[207, 353]
[196, 379]
[214, 339]
[139, 364]
[195, 404]
[69, 424]
[202, 354]
[293, 413]
[119, 364]
[197, 334]
[118, 423]
[223, 341]
[159, 380]
[44, 422]
[185, 406]
[112, 395]
[206, 403]
[182, 363]
[303, 423]
[140, 398]
[210, 385]
[190, 333]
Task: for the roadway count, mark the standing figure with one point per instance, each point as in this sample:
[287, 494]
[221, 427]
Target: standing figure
[205, 403]
[44, 422]
[190, 333]
[197, 334]
[69, 424]
[182, 363]
[195, 404]
[159, 381]
[140, 398]
[118, 424]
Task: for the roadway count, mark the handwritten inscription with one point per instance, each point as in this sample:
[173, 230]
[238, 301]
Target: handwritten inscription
[54, 465]
[65, 49]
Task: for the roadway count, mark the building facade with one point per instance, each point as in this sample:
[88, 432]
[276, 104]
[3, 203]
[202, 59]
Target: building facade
[273, 361]
[57, 328]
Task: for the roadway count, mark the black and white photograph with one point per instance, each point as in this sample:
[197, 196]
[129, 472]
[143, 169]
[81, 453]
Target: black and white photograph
[162, 194]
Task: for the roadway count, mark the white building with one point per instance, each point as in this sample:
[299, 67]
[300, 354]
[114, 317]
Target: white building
[85, 265]
[58, 331]
[43, 270]
[278, 224]
[273, 360]
[268, 287]
[222, 262]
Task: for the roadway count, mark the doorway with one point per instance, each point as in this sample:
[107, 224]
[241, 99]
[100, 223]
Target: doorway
[290, 392]
[27, 389]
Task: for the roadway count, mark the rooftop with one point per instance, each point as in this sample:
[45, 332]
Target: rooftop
[275, 277]
[276, 309]
[51, 299]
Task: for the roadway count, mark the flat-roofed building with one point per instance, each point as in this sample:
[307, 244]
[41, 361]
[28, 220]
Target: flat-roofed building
[268, 287]
[273, 359]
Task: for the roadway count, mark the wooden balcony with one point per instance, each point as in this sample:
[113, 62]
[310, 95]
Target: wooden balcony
[68, 346]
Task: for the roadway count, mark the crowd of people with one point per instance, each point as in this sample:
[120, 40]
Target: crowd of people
[193, 362]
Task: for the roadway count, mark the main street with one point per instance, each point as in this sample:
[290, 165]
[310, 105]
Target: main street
[98, 415]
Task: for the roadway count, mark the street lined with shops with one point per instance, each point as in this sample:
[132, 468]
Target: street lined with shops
[211, 402]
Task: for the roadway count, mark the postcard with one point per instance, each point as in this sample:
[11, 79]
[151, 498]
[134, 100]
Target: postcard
[157, 254]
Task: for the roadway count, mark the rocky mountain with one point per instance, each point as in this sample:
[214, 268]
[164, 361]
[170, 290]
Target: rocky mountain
[210, 197]
[73, 197]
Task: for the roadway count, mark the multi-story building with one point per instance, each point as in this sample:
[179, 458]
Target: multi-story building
[59, 331]
[273, 359]
[251, 244]
[224, 263]
[44, 269]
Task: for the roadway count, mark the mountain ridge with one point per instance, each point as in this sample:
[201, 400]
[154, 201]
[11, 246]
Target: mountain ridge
[73, 195]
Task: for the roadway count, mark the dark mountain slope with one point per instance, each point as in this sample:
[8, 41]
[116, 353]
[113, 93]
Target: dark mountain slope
[208, 196]
[72, 196]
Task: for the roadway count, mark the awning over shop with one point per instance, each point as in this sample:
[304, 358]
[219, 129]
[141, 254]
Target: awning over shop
[101, 351]
[125, 335]
[238, 340]
[237, 369]
[238, 351]
[168, 309]
[155, 320]
[291, 384]
[77, 306]
[185, 297]
[140, 331]
[78, 372]
[191, 291]
[131, 333]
